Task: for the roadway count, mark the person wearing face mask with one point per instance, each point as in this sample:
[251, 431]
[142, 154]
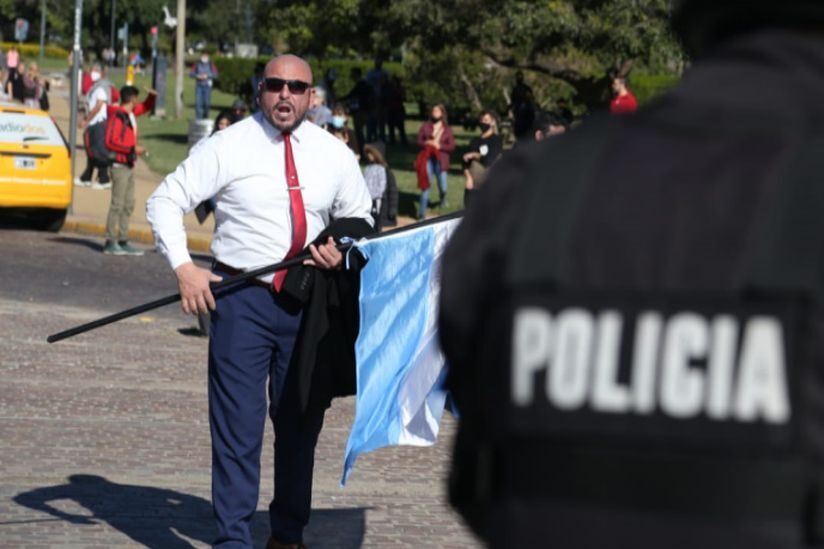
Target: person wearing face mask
[204, 72]
[483, 151]
[98, 98]
[339, 127]
[436, 141]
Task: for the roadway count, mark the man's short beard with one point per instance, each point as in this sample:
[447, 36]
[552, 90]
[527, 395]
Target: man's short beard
[289, 129]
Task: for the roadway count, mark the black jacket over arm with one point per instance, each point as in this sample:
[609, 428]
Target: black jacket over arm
[324, 352]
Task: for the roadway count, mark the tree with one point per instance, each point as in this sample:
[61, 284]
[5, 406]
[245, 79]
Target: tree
[569, 47]
[464, 51]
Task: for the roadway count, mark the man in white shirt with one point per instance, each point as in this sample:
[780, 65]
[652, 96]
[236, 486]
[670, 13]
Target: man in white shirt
[276, 183]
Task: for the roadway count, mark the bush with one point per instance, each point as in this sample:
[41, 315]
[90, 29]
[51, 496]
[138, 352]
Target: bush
[32, 51]
[647, 86]
[235, 74]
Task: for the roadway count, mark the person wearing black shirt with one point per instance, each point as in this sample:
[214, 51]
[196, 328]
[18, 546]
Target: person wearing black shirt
[361, 100]
[483, 152]
[16, 89]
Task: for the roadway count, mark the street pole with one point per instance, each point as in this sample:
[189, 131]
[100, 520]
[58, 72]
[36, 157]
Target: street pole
[180, 43]
[78, 25]
[113, 40]
[42, 29]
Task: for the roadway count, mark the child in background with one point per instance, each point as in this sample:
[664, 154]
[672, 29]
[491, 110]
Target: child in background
[382, 186]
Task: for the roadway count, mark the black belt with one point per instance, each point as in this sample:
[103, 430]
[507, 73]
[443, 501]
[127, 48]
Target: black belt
[231, 271]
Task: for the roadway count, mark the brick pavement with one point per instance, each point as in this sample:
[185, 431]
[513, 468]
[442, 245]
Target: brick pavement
[104, 443]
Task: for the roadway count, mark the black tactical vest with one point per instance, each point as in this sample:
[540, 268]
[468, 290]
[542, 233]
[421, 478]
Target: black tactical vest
[636, 417]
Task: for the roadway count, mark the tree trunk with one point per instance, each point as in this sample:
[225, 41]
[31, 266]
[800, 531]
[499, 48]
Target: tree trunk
[473, 93]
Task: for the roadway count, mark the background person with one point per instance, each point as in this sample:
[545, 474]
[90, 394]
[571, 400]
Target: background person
[339, 127]
[12, 60]
[98, 98]
[549, 124]
[436, 141]
[483, 151]
[319, 113]
[395, 109]
[624, 101]
[222, 122]
[32, 87]
[15, 87]
[204, 72]
[361, 103]
[122, 200]
[383, 188]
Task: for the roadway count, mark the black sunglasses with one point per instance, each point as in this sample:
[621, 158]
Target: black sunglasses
[274, 85]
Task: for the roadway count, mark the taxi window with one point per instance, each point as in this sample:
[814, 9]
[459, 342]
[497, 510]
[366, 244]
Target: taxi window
[21, 129]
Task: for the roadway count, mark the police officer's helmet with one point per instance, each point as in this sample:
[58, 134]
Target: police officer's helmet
[703, 23]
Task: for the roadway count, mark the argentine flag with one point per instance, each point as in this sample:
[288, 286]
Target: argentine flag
[400, 367]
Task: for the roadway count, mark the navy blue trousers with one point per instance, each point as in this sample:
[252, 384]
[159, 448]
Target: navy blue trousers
[252, 335]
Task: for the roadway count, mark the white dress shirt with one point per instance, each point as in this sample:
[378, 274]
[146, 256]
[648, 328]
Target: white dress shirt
[243, 167]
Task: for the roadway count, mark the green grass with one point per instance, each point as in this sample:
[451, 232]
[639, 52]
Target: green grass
[166, 139]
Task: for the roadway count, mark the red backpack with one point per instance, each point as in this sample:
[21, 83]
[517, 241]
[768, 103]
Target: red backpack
[120, 136]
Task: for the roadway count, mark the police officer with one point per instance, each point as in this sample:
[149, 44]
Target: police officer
[636, 364]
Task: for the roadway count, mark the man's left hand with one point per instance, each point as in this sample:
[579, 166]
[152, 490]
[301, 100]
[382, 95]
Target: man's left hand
[326, 256]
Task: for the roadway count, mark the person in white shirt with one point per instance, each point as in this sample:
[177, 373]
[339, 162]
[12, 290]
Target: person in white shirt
[98, 98]
[266, 209]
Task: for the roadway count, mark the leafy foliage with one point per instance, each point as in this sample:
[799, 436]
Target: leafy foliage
[462, 52]
[465, 51]
[32, 51]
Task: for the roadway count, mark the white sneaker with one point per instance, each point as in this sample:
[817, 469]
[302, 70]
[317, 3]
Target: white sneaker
[80, 183]
[101, 186]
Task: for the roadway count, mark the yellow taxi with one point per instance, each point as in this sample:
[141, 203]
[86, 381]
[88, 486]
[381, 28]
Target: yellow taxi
[35, 166]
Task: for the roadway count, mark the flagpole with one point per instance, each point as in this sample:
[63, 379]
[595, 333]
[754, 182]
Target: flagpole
[237, 279]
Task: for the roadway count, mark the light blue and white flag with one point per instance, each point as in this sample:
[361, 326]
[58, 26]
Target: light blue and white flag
[400, 367]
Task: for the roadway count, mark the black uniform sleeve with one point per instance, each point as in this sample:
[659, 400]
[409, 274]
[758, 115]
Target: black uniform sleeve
[473, 265]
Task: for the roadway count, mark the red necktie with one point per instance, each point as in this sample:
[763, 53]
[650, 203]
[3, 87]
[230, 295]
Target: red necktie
[298, 213]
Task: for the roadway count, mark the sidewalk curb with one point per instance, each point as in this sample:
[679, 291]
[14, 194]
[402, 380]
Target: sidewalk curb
[144, 236]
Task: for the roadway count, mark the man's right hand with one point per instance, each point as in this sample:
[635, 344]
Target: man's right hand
[195, 293]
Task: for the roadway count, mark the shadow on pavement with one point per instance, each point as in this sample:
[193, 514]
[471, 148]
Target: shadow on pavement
[86, 242]
[165, 519]
[191, 331]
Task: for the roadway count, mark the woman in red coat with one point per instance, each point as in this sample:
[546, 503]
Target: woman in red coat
[436, 141]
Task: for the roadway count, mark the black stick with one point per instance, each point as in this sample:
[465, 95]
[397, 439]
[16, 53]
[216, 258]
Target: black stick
[237, 279]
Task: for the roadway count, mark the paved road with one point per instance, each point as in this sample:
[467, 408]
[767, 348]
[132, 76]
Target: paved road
[104, 438]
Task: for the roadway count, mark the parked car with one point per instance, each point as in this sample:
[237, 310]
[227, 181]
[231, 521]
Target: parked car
[35, 167]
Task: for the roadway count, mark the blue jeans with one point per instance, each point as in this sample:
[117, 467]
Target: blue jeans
[433, 168]
[250, 348]
[203, 101]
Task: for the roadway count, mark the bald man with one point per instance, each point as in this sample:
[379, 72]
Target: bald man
[276, 181]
